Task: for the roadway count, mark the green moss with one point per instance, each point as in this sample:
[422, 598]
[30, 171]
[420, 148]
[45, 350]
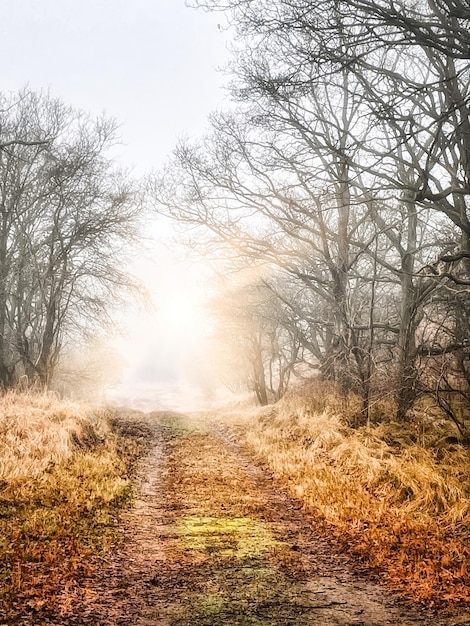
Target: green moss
[177, 424]
[245, 594]
[240, 537]
[210, 604]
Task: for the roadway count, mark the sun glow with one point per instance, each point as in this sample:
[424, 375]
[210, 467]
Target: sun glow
[164, 347]
[182, 310]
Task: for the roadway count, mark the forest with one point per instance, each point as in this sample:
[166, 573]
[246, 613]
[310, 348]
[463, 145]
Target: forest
[334, 188]
[67, 217]
[337, 187]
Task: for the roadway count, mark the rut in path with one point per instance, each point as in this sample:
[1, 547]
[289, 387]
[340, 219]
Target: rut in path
[212, 540]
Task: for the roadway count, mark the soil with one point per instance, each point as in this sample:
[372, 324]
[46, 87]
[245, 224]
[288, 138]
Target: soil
[211, 539]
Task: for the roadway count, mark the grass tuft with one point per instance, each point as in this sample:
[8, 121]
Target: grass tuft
[393, 495]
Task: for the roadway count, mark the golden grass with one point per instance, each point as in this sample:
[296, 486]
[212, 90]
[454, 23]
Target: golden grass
[38, 430]
[63, 471]
[388, 495]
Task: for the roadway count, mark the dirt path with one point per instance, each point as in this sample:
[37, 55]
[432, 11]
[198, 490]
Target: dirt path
[212, 540]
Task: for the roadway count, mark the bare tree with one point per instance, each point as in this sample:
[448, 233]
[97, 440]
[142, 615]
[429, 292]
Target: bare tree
[65, 214]
[346, 165]
[256, 331]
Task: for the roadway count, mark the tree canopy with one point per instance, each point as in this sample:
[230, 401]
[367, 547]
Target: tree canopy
[345, 164]
[65, 217]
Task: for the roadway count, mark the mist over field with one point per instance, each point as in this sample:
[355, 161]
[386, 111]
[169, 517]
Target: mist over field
[167, 396]
[166, 360]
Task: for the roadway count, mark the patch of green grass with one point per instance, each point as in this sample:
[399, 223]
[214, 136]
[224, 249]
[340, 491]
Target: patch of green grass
[244, 594]
[210, 604]
[179, 425]
[239, 537]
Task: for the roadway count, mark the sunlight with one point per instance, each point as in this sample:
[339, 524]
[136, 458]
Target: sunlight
[164, 347]
[181, 310]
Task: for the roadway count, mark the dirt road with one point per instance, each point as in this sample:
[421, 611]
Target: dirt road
[211, 539]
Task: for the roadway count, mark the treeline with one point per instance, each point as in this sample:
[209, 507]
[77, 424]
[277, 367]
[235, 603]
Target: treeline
[65, 217]
[342, 171]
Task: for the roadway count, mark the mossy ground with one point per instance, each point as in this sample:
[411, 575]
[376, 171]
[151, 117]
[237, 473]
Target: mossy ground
[232, 552]
[232, 564]
[210, 540]
[240, 537]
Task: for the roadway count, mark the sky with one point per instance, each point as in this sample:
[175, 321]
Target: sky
[154, 66]
[151, 64]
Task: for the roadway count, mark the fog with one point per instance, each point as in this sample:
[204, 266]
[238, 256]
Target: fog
[162, 345]
[154, 67]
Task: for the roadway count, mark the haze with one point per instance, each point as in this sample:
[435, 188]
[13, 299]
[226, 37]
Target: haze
[154, 67]
[151, 65]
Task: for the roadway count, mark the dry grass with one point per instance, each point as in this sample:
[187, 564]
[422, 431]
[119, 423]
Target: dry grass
[38, 430]
[399, 503]
[63, 471]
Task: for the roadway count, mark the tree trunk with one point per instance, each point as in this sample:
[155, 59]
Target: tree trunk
[407, 373]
